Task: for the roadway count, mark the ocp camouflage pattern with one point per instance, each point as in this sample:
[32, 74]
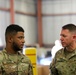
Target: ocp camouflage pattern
[63, 64]
[17, 64]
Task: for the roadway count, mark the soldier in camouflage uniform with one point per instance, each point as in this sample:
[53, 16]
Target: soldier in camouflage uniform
[12, 61]
[64, 62]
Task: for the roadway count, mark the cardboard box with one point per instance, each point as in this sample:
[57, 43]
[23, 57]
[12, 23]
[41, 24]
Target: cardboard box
[43, 69]
[39, 70]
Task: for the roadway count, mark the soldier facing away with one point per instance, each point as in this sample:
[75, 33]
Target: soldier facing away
[64, 62]
[12, 61]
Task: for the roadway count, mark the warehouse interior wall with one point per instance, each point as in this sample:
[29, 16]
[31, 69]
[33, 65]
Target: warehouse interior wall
[56, 13]
[24, 16]
[4, 20]
[28, 22]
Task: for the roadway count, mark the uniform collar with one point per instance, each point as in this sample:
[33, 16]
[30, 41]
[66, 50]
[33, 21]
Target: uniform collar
[5, 51]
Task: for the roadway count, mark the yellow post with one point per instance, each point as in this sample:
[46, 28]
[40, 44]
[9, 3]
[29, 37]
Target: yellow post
[31, 53]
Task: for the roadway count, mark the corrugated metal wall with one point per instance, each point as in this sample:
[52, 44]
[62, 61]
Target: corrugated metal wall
[55, 14]
[28, 22]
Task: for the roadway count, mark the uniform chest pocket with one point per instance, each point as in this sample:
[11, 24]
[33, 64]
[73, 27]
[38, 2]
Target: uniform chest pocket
[23, 67]
[60, 63]
[9, 67]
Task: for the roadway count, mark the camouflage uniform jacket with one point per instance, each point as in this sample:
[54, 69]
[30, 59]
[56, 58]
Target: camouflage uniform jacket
[14, 64]
[63, 64]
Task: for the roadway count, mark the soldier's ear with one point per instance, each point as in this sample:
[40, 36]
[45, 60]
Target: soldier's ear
[10, 39]
[74, 37]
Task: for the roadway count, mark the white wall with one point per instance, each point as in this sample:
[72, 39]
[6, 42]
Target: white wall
[30, 26]
[28, 6]
[29, 23]
[5, 3]
[4, 20]
[52, 24]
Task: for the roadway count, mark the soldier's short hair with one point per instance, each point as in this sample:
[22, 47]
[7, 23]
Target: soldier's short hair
[12, 29]
[70, 27]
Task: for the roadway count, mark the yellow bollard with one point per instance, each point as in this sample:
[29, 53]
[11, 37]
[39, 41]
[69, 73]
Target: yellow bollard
[31, 53]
